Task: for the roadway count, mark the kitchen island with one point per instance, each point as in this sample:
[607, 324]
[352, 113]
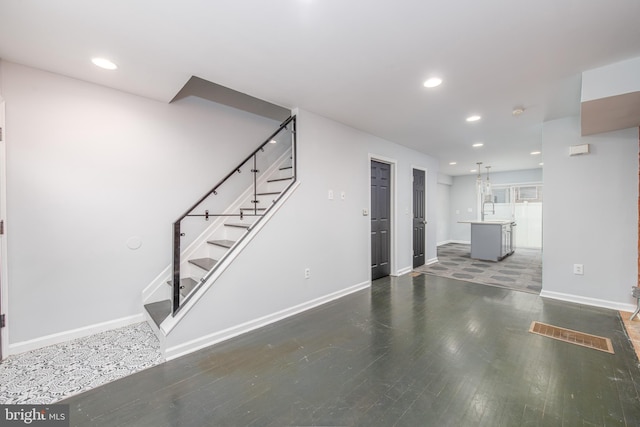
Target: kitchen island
[491, 240]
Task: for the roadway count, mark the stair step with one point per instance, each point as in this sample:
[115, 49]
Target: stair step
[286, 167]
[224, 243]
[268, 193]
[159, 311]
[238, 225]
[204, 263]
[250, 209]
[280, 179]
[186, 285]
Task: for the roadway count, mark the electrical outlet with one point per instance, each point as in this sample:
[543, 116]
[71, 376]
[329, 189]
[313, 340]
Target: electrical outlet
[343, 195]
[578, 269]
[307, 273]
[330, 194]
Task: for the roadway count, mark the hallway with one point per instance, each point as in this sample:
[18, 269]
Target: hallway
[421, 350]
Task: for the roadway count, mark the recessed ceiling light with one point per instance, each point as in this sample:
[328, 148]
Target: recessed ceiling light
[541, 164]
[273, 141]
[478, 144]
[453, 163]
[535, 153]
[433, 82]
[104, 63]
[474, 118]
[473, 170]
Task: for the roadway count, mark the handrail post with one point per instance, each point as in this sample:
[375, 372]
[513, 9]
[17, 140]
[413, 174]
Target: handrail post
[176, 267]
[255, 185]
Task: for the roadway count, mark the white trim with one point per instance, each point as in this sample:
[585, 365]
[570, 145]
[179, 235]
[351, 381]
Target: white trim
[444, 242]
[158, 290]
[172, 321]
[403, 271]
[85, 331]
[393, 229]
[431, 261]
[613, 305]
[234, 331]
[4, 275]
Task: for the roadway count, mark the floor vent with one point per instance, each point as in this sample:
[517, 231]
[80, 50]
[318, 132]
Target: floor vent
[573, 337]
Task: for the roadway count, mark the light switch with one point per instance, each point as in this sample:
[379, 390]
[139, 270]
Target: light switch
[330, 194]
[365, 212]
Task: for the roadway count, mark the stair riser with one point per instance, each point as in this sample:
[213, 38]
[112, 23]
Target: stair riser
[276, 186]
[233, 233]
[217, 252]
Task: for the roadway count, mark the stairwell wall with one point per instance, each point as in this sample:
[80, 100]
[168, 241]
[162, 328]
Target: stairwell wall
[88, 169]
[330, 237]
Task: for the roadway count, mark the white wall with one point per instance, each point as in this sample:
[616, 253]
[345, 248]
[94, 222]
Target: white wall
[463, 197]
[590, 215]
[331, 237]
[88, 168]
[611, 80]
[444, 209]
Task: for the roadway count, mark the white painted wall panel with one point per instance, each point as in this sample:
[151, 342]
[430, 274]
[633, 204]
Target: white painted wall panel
[590, 213]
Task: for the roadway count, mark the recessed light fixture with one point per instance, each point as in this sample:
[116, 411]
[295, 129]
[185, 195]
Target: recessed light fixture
[517, 111]
[453, 163]
[478, 145]
[104, 63]
[433, 82]
[473, 170]
[473, 118]
[541, 164]
[273, 141]
[535, 153]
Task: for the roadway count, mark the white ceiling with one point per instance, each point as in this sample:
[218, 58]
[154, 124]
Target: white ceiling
[360, 62]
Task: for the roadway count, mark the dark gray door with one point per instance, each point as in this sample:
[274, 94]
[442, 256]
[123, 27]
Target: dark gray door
[380, 219]
[419, 220]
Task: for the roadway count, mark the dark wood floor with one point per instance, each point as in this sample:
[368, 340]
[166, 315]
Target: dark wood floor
[423, 351]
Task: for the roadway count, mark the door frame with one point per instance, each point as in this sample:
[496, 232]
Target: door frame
[392, 212]
[426, 226]
[4, 283]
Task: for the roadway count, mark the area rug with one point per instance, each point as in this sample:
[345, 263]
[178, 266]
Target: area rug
[521, 271]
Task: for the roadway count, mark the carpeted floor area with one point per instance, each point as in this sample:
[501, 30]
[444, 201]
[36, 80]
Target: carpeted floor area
[521, 271]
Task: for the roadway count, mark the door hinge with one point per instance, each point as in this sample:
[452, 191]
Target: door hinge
[3, 322]
[1, 135]
[1, 227]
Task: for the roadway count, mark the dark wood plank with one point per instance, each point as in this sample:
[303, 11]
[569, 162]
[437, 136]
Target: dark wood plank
[410, 351]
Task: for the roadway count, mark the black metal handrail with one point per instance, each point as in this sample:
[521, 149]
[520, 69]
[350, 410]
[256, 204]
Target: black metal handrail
[177, 234]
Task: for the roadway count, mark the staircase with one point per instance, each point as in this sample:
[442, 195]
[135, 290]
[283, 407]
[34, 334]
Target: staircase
[216, 229]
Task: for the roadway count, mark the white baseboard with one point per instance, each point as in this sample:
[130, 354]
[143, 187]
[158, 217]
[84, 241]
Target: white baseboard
[444, 242]
[431, 261]
[403, 271]
[217, 337]
[60, 337]
[588, 301]
[461, 242]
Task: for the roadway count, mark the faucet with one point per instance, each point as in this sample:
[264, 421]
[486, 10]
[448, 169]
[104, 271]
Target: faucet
[482, 211]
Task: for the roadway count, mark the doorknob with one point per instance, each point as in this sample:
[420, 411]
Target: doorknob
[424, 222]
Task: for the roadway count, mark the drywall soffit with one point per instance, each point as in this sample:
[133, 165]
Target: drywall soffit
[610, 113]
[223, 95]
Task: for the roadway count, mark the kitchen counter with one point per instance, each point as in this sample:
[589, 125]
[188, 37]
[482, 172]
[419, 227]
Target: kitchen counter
[491, 240]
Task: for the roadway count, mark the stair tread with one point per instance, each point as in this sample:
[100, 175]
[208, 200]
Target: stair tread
[159, 311]
[251, 208]
[286, 167]
[223, 243]
[269, 193]
[238, 224]
[186, 285]
[204, 263]
[280, 179]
